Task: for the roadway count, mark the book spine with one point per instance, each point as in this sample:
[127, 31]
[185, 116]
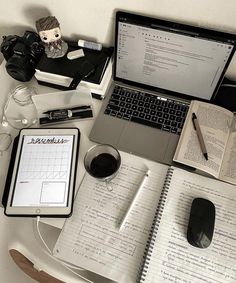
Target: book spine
[154, 228]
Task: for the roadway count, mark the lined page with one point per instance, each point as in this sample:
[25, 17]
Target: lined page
[173, 259]
[91, 237]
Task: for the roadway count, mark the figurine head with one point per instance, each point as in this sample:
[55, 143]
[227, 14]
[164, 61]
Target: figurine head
[48, 29]
[50, 34]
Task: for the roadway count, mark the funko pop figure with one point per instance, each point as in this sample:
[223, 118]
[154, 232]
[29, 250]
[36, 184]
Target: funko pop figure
[50, 34]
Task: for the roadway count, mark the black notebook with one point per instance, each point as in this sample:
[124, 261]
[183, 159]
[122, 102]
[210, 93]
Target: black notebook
[68, 68]
[152, 246]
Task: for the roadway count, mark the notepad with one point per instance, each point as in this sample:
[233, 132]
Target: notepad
[91, 238]
[152, 246]
[169, 257]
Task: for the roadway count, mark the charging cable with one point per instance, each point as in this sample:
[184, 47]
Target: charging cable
[19, 97]
[66, 265]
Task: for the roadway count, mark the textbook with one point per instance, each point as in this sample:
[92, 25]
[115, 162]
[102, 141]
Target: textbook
[217, 125]
[152, 246]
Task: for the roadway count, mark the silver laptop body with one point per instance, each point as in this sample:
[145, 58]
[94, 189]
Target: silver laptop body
[165, 59]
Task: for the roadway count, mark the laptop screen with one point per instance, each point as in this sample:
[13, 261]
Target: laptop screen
[171, 57]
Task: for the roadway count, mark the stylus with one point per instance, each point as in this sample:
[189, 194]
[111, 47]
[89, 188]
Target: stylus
[134, 200]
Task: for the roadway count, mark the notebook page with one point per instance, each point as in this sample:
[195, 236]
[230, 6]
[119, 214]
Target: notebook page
[173, 258]
[91, 237]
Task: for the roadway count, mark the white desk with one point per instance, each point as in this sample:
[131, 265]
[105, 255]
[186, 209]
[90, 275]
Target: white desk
[8, 84]
[21, 229]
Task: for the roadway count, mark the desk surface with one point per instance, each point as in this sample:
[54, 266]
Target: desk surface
[21, 231]
[7, 85]
[23, 228]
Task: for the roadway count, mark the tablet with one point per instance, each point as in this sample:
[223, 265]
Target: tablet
[43, 176]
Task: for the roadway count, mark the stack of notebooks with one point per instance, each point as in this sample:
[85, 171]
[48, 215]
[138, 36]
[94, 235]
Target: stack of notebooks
[59, 72]
[152, 245]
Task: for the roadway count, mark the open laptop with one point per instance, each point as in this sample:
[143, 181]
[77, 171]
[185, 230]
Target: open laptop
[159, 67]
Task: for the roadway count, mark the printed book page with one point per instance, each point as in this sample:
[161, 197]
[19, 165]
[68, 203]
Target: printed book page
[173, 259]
[215, 123]
[91, 238]
[228, 168]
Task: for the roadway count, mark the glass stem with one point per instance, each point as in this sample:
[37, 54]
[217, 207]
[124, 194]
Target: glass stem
[109, 187]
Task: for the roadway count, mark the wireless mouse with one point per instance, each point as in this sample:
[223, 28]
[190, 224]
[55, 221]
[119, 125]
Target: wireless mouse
[201, 223]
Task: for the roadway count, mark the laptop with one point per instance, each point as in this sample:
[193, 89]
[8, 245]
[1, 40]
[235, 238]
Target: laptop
[159, 67]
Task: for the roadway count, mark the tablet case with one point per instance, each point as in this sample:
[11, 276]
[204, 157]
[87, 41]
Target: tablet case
[11, 167]
[9, 173]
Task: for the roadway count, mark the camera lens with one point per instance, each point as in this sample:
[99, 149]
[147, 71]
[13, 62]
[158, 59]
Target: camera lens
[22, 55]
[20, 68]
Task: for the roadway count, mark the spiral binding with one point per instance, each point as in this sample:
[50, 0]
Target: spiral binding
[154, 228]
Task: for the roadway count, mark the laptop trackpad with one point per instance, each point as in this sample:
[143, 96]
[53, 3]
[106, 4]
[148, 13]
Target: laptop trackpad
[148, 142]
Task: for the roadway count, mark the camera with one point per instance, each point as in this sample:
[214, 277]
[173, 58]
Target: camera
[22, 54]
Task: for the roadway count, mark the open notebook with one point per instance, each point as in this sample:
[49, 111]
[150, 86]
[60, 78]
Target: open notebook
[152, 246]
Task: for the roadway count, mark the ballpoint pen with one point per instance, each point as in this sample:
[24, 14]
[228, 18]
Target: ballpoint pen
[121, 224]
[56, 114]
[71, 108]
[82, 114]
[199, 135]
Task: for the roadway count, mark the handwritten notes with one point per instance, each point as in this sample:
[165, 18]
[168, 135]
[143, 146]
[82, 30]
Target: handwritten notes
[91, 237]
[173, 259]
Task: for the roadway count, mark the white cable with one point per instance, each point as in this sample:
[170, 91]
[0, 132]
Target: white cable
[24, 102]
[40, 236]
[66, 265]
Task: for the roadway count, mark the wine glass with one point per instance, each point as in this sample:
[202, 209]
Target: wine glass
[102, 162]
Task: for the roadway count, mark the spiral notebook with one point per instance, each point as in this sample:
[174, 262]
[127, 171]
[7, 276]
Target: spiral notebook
[169, 257]
[152, 246]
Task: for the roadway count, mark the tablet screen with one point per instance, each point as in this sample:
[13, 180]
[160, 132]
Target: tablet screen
[43, 173]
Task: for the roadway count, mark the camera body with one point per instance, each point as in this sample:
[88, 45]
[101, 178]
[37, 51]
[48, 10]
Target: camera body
[22, 54]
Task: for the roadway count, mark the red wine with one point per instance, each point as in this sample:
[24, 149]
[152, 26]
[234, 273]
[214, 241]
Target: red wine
[103, 165]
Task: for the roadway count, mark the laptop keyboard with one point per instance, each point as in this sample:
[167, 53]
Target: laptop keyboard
[147, 109]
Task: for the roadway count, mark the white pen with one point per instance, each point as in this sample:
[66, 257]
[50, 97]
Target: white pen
[134, 199]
